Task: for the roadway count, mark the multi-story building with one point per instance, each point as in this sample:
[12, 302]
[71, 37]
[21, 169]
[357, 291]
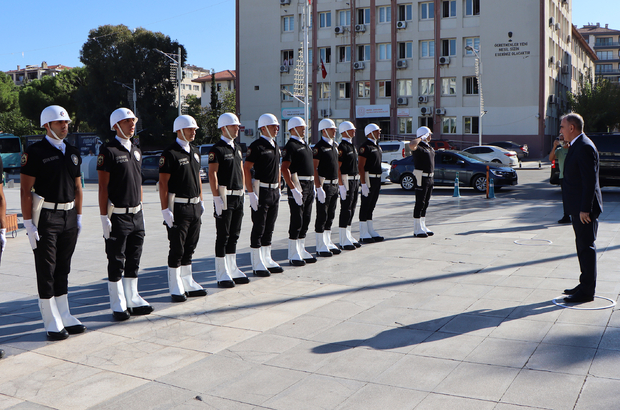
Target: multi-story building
[606, 44]
[404, 63]
[34, 72]
[224, 81]
[188, 87]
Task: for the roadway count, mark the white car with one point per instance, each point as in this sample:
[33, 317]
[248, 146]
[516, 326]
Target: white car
[489, 153]
[385, 173]
[394, 150]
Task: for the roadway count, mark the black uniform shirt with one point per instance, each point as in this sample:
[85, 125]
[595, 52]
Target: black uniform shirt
[125, 186]
[266, 160]
[424, 158]
[347, 154]
[328, 159]
[184, 170]
[229, 169]
[372, 153]
[300, 157]
[55, 173]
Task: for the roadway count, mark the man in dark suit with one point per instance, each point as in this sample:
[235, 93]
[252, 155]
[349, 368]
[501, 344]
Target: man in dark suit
[582, 200]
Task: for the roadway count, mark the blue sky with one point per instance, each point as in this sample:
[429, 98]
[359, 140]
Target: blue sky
[55, 31]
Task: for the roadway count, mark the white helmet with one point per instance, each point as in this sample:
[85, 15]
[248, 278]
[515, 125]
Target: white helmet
[54, 113]
[346, 126]
[325, 124]
[423, 132]
[227, 119]
[267, 119]
[184, 121]
[296, 122]
[121, 114]
[370, 128]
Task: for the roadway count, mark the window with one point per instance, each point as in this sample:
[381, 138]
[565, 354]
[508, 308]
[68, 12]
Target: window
[385, 14]
[604, 68]
[448, 86]
[219, 87]
[324, 90]
[363, 89]
[405, 50]
[384, 88]
[605, 55]
[471, 125]
[344, 54]
[427, 86]
[344, 17]
[448, 125]
[427, 48]
[344, 90]
[196, 88]
[604, 41]
[288, 23]
[405, 12]
[286, 96]
[473, 42]
[385, 51]
[427, 11]
[325, 19]
[287, 57]
[425, 122]
[326, 54]
[363, 53]
[448, 8]
[472, 7]
[405, 125]
[471, 86]
[448, 47]
[405, 88]
[363, 16]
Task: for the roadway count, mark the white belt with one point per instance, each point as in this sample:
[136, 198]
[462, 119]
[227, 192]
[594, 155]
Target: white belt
[266, 185]
[305, 178]
[129, 210]
[234, 192]
[331, 181]
[374, 175]
[194, 200]
[355, 177]
[67, 206]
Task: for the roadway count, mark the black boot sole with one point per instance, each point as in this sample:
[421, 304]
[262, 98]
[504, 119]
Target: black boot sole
[62, 335]
[74, 330]
[241, 281]
[140, 310]
[121, 316]
[196, 293]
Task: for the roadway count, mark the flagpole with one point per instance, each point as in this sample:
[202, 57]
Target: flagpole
[306, 68]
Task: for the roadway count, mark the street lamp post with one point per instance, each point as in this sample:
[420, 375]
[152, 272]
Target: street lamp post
[481, 99]
[134, 93]
[179, 70]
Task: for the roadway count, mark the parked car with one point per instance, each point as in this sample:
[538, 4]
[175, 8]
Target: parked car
[441, 144]
[520, 149]
[385, 172]
[394, 150]
[494, 154]
[471, 171]
[150, 168]
[554, 178]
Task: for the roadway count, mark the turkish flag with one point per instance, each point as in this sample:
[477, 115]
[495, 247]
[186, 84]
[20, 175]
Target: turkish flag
[323, 70]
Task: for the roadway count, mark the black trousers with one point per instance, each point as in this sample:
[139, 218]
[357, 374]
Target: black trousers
[347, 206]
[369, 202]
[184, 234]
[423, 194]
[58, 235]
[326, 212]
[264, 219]
[563, 205]
[124, 246]
[228, 226]
[585, 235]
[301, 215]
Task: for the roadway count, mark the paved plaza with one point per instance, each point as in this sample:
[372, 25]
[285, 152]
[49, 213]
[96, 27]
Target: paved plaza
[462, 320]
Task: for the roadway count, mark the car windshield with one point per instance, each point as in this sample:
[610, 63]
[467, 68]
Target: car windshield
[470, 157]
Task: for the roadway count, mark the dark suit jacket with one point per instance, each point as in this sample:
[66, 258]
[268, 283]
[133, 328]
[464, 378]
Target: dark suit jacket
[581, 190]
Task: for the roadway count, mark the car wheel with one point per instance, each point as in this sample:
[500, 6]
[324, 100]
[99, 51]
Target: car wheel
[407, 182]
[480, 183]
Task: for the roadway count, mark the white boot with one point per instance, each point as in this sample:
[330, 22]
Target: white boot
[424, 228]
[305, 255]
[375, 236]
[330, 245]
[135, 304]
[70, 322]
[364, 235]
[175, 285]
[351, 238]
[221, 274]
[272, 266]
[118, 303]
[294, 258]
[344, 241]
[321, 246]
[233, 271]
[52, 322]
[258, 265]
[191, 287]
[418, 232]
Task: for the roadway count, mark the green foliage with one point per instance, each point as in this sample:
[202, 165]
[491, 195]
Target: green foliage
[8, 93]
[599, 105]
[195, 109]
[11, 119]
[229, 101]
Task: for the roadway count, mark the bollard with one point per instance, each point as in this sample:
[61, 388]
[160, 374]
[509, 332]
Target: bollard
[491, 189]
[82, 178]
[457, 193]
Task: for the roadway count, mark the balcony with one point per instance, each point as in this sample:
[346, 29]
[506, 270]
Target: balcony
[608, 45]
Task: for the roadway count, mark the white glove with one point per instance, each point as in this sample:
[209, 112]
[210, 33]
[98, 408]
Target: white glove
[202, 205]
[253, 200]
[168, 217]
[79, 223]
[424, 138]
[298, 196]
[2, 239]
[320, 194]
[218, 202]
[32, 232]
[343, 192]
[106, 224]
[365, 190]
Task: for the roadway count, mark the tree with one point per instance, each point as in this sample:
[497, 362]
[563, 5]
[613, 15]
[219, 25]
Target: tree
[115, 54]
[599, 104]
[196, 110]
[11, 119]
[215, 110]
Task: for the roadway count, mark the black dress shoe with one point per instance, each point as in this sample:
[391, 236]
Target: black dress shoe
[430, 233]
[420, 235]
[349, 247]
[62, 335]
[177, 298]
[276, 269]
[74, 330]
[196, 293]
[579, 297]
[357, 244]
[311, 259]
[225, 284]
[565, 220]
[120, 316]
[297, 262]
[241, 281]
[367, 240]
[572, 291]
[261, 273]
[325, 254]
[335, 251]
[142, 310]
[378, 238]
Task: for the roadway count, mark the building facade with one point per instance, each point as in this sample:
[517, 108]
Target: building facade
[224, 81]
[188, 86]
[34, 72]
[403, 64]
[606, 43]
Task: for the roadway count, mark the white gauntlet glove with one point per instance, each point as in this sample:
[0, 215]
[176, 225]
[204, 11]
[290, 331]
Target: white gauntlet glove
[253, 200]
[365, 190]
[343, 192]
[2, 239]
[106, 224]
[79, 223]
[168, 217]
[298, 196]
[32, 232]
[202, 205]
[218, 202]
[320, 194]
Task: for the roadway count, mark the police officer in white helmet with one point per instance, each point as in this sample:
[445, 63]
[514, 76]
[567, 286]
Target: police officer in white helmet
[348, 184]
[369, 166]
[424, 160]
[51, 202]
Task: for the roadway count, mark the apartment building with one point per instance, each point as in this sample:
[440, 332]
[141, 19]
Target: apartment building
[34, 72]
[224, 81]
[403, 64]
[606, 43]
[188, 86]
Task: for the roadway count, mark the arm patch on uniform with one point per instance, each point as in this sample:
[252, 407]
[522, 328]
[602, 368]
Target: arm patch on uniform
[24, 159]
[211, 157]
[100, 160]
[162, 161]
[339, 152]
[362, 149]
[315, 151]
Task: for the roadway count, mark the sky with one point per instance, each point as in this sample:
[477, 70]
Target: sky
[54, 32]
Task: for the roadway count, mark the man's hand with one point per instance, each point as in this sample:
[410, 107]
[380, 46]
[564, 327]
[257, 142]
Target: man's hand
[253, 201]
[298, 196]
[585, 217]
[168, 217]
[218, 202]
[365, 190]
[79, 223]
[343, 192]
[320, 194]
[2, 239]
[32, 232]
[106, 224]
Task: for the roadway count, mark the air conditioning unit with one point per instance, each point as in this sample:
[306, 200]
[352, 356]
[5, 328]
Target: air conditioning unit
[326, 112]
[402, 101]
[360, 28]
[557, 26]
[358, 65]
[440, 111]
[401, 63]
[401, 24]
[558, 64]
[551, 21]
[284, 69]
[552, 60]
[426, 110]
[422, 99]
[444, 60]
[565, 69]
[285, 2]
[553, 99]
[339, 29]
[568, 39]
